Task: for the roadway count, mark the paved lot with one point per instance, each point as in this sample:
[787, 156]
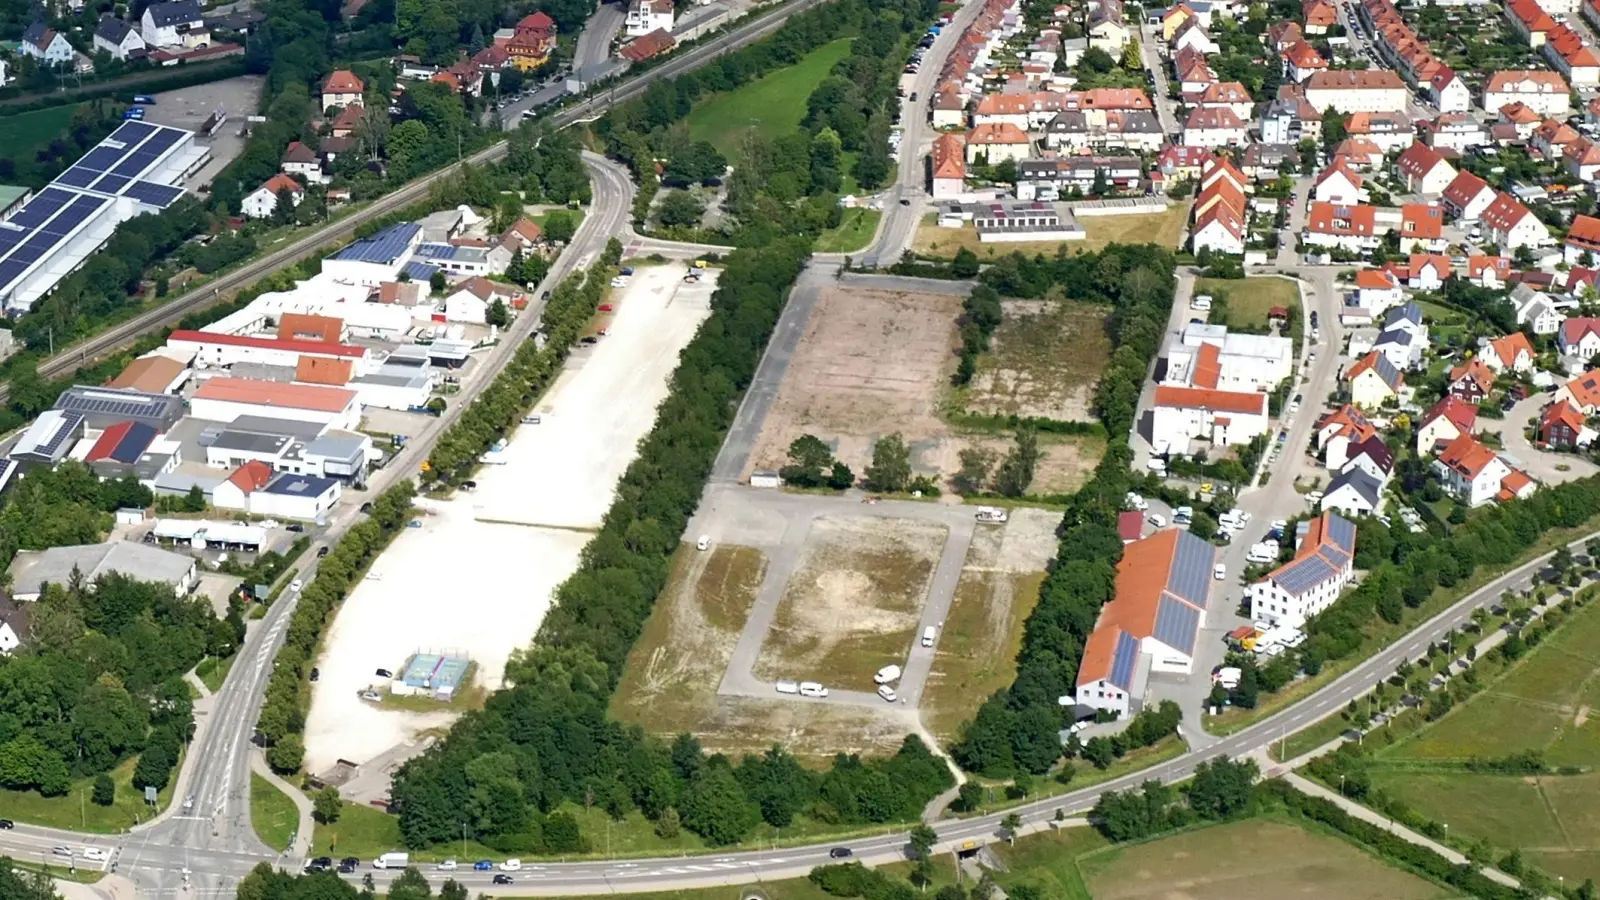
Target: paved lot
[188, 108]
[1541, 464]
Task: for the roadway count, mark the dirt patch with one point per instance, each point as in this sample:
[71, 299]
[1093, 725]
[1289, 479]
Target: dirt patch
[814, 732]
[1044, 361]
[999, 587]
[877, 362]
[671, 678]
[853, 602]
[1582, 718]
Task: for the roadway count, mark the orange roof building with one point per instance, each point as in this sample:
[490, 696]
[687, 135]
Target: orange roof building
[1152, 622]
[223, 399]
[151, 374]
[323, 370]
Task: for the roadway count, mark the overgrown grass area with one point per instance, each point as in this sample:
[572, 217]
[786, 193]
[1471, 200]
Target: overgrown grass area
[76, 811]
[29, 132]
[854, 232]
[272, 813]
[977, 650]
[773, 104]
[212, 671]
[1255, 859]
[1026, 371]
[670, 682]
[1249, 299]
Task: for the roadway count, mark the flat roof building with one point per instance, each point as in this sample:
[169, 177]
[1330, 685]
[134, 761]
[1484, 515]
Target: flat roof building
[32, 569]
[226, 399]
[154, 374]
[103, 407]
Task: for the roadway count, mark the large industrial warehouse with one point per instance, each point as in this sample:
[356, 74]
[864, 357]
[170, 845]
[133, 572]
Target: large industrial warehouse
[134, 171]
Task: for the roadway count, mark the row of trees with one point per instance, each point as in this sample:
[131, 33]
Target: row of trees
[1221, 789]
[283, 712]
[1015, 730]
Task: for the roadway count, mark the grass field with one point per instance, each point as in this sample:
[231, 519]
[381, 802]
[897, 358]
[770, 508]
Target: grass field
[1163, 229]
[1257, 859]
[31, 131]
[1544, 703]
[854, 233]
[214, 674]
[74, 810]
[1025, 371]
[775, 104]
[273, 813]
[1250, 298]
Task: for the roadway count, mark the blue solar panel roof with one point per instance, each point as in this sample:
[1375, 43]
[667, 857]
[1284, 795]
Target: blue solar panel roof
[1124, 660]
[1177, 624]
[384, 247]
[420, 271]
[1342, 532]
[133, 443]
[435, 251]
[132, 132]
[103, 157]
[157, 195]
[78, 176]
[1304, 573]
[1190, 576]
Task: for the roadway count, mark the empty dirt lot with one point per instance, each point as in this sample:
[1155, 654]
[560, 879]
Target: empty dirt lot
[1044, 361]
[853, 604]
[876, 362]
[999, 587]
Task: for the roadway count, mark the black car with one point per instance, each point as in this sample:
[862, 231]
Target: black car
[350, 861]
[322, 551]
[7, 824]
[384, 673]
[502, 879]
[366, 507]
[841, 853]
[315, 673]
[320, 864]
[545, 296]
[346, 868]
[297, 528]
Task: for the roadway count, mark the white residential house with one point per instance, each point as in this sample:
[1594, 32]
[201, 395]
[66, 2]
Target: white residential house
[169, 24]
[1373, 457]
[1322, 565]
[46, 45]
[1423, 170]
[1182, 414]
[1216, 126]
[1512, 225]
[298, 159]
[1354, 492]
[1467, 196]
[1448, 92]
[1376, 291]
[1536, 310]
[117, 38]
[645, 16]
[1511, 353]
[1475, 474]
[1540, 90]
[1339, 184]
[263, 201]
[1445, 421]
[1579, 337]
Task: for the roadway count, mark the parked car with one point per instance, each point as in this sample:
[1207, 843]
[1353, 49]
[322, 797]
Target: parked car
[322, 551]
[384, 673]
[349, 864]
[295, 585]
[315, 673]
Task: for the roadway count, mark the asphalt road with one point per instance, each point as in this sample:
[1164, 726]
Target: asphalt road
[594, 43]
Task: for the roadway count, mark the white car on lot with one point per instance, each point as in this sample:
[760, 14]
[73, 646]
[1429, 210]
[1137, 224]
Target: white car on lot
[448, 865]
[1136, 501]
[1156, 464]
[1157, 520]
[887, 693]
[812, 689]
[1219, 571]
[787, 687]
[887, 674]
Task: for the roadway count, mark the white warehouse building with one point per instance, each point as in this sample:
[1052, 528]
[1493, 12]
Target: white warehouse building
[135, 170]
[223, 399]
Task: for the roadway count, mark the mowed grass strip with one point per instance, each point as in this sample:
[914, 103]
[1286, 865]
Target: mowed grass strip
[855, 231]
[28, 132]
[1257, 859]
[1504, 809]
[76, 811]
[774, 103]
[272, 812]
[669, 684]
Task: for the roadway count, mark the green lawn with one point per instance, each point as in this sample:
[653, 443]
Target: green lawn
[854, 233]
[76, 812]
[212, 672]
[1249, 299]
[575, 214]
[273, 813]
[774, 103]
[31, 131]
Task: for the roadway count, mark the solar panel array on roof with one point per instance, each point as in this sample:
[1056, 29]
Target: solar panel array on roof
[1177, 624]
[1124, 659]
[133, 443]
[112, 168]
[1342, 532]
[420, 271]
[1304, 574]
[384, 247]
[435, 251]
[1190, 576]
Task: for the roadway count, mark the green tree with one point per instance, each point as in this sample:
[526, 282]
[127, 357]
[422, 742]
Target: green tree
[1016, 470]
[1011, 824]
[891, 464]
[680, 209]
[286, 756]
[965, 265]
[195, 500]
[809, 461]
[105, 791]
[974, 472]
[559, 227]
[498, 313]
[840, 478]
[1222, 787]
[326, 805]
[667, 824]
[716, 808]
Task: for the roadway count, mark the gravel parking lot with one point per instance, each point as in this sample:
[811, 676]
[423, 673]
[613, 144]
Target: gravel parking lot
[477, 576]
[188, 108]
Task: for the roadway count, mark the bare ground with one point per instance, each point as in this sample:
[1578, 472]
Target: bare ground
[854, 600]
[873, 363]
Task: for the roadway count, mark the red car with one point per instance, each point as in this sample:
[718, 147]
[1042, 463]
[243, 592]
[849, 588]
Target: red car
[605, 307]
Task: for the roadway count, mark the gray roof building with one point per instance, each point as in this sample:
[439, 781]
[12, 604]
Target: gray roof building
[32, 569]
[49, 438]
[102, 407]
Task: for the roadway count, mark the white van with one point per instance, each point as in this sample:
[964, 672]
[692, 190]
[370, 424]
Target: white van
[928, 635]
[1201, 303]
[787, 687]
[1263, 553]
[511, 865]
[887, 693]
[392, 860]
[1157, 520]
[812, 689]
[704, 543]
[1157, 465]
[887, 674]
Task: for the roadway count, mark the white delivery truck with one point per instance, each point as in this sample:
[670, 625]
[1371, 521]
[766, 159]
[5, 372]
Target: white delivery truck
[992, 514]
[392, 860]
